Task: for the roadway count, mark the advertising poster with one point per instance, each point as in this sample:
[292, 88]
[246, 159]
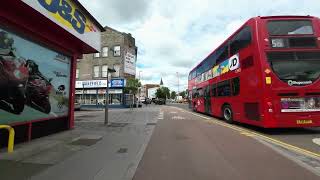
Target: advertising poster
[34, 80]
[215, 71]
[130, 64]
[224, 66]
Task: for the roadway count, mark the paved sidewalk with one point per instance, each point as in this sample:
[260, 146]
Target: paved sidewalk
[90, 151]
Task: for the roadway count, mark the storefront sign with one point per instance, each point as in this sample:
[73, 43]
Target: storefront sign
[115, 91]
[130, 64]
[66, 14]
[91, 84]
[117, 83]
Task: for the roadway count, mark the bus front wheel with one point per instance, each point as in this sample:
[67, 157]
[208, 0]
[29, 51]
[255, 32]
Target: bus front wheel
[227, 114]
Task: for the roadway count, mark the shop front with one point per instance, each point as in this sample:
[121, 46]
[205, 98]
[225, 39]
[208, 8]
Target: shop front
[39, 47]
[92, 93]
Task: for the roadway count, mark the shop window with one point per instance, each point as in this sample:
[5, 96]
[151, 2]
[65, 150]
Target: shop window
[77, 73]
[105, 51]
[104, 71]
[96, 71]
[96, 55]
[116, 51]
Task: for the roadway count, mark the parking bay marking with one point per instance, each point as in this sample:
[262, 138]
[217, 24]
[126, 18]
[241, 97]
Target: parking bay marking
[252, 133]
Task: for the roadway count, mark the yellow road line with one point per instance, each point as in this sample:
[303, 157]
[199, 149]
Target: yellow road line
[252, 133]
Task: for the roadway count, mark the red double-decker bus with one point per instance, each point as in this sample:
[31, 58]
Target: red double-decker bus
[266, 74]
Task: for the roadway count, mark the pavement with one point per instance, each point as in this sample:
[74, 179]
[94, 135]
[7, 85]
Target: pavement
[90, 151]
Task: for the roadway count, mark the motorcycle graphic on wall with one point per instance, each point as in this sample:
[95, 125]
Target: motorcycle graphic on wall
[38, 89]
[21, 82]
[13, 77]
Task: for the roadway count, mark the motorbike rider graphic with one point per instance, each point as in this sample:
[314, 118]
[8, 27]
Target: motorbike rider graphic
[13, 76]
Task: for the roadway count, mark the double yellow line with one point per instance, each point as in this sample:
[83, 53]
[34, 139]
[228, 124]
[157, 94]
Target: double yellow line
[250, 133]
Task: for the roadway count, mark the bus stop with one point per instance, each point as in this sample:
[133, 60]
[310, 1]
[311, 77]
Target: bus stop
[40, 42]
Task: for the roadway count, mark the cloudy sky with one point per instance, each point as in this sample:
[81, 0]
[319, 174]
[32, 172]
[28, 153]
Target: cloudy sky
[174, 35]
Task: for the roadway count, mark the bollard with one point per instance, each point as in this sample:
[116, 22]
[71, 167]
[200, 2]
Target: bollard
[11, 137]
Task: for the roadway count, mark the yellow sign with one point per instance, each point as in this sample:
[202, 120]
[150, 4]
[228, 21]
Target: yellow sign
[68, 15]
[268, 80]
[304, 121]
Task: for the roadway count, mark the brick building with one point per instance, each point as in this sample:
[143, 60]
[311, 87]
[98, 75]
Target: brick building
[118, 52]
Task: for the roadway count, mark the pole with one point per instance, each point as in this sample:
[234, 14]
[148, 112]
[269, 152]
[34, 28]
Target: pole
[178, 82]
[106, 117]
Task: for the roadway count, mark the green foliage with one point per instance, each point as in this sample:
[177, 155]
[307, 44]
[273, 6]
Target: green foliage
[183, 94]
[173, 95]
[163, 93]
[132, 86]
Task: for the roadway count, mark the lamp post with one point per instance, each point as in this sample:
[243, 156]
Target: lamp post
[106, 107]
[139, 90]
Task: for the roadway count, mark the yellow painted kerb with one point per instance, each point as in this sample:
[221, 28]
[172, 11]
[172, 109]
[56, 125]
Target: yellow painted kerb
[11, 137]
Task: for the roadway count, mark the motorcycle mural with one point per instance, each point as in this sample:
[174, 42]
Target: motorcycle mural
[13, 76]
[34, 80]
[38, 89]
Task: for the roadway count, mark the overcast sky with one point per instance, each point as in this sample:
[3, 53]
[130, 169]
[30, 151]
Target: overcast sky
[174, 35]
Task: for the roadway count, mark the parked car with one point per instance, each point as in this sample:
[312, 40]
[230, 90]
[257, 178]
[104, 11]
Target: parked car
[160, 101]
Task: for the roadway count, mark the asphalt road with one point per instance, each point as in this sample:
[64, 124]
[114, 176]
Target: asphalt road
[186, 146]
[300, 137]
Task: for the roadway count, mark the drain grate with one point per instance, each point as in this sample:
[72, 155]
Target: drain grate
[118, 124]
[85, 142]
[122, 150]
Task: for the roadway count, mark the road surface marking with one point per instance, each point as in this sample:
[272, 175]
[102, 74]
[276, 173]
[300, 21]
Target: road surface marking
[173, 112]
[252, 133]
[316, 141]
[178, 118]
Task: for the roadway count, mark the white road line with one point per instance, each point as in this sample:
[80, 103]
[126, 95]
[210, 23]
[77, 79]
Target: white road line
[316, 141]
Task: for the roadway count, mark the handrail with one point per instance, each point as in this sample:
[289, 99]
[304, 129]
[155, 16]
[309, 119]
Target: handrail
[11, 137]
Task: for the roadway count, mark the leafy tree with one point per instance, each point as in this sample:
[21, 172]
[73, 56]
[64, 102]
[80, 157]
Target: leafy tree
[132, 86]
[183, 94]
[173, 95]
[163, 92]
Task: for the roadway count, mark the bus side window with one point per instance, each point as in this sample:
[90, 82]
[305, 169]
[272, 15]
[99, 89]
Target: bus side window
[224, 88]
[241, 40]
[214, 90]
[236, 86]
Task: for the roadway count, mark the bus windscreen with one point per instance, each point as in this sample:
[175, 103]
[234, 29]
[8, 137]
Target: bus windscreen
[290, 27]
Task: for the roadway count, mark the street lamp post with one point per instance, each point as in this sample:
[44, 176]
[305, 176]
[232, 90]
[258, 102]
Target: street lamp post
[106, 107]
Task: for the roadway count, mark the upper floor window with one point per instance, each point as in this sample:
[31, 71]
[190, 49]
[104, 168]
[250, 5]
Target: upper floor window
[241, 40]
[116, 51]
[96, 55]
[96, 71]
[104, 71]
[105, 51]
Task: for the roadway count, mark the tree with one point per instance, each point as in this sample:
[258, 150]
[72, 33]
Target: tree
[183, 94]
[163, 93]
[173, 95]
[132, 86]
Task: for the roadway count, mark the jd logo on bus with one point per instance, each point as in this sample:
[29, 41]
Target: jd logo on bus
[234, 62]
[65, 10]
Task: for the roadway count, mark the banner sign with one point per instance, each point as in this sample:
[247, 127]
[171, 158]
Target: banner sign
[92, 84]
[130, 64]
[66, 14]
[117, 83]
[34, 80]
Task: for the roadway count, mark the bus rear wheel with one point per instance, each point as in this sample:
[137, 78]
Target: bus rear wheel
[227, 114]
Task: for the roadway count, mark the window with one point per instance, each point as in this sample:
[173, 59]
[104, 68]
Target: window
[105, 51]
[104, 71]
[290, 27]
[214, 90]
[235, 86]
[116, 51]
[200, 92]
[116, 67]
[224, 89]
[222, 53]
[96, 55]
[77, 73]
[96, 71]
[241, 40]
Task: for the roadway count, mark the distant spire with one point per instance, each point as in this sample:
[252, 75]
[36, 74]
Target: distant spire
[161, 82]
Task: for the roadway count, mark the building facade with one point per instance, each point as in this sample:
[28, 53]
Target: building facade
[118, 52]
